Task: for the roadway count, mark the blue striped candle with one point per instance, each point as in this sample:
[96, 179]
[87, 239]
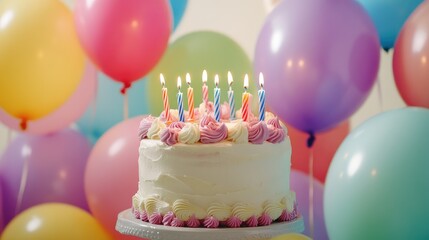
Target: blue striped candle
[231, 100]
[180, 100]
[261, 95]
[217, 99]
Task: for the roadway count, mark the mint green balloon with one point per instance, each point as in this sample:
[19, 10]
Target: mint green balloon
[377, 186]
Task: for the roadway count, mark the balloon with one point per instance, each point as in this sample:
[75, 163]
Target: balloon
[74, 107]
[46, 168]
[411, 58]
[389, 16]
[300, 184]
[1, 208]
[291, 236]
[377, 185]
[324, 149]
[192, 53]
[125, 39]
[108, 108]
[178, 7]
[54, 221]
[41, 61]
[319, 59]
[111, 176]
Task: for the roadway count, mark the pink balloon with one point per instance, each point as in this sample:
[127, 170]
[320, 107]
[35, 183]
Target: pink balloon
[300, 182]
[66, 114]
[124, 38]
[111, 176]
[46, 168]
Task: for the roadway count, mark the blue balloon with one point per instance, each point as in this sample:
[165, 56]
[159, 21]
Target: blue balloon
[178, 8]
[389, 16]
[108, 108]
[377, 186]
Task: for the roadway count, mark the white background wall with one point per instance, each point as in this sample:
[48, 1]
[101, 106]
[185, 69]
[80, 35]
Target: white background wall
[241, 20]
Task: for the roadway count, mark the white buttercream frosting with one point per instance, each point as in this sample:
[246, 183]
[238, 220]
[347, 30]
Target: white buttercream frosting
[189, 134]
[238, 132]
[155, 129]
[220, 211]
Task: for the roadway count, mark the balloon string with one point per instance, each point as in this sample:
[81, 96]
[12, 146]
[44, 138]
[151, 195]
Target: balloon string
[125, 106]
[310, 195]
[22, 185]
[380, 96]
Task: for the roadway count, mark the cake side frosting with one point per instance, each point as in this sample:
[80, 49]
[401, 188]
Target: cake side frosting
[219, 181]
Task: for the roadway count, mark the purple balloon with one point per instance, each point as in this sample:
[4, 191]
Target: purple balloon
[300, 183]
[320, 60]
[1, 209]
[54, 171]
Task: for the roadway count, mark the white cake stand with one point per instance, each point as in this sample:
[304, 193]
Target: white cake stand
[127, 224]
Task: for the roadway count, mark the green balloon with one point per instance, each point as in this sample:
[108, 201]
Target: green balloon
[377, 186]
[193, 53]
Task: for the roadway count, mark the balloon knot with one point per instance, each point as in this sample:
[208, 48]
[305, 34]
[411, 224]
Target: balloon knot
[310, 140]
[386, 50]
[23, 124]
[125, 87]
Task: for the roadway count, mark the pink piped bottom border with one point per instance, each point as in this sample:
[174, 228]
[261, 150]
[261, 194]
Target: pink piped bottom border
[170, 219]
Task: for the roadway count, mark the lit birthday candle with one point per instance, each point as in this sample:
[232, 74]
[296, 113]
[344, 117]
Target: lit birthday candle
[190, 97]
[205, 89]
[165, 98]
[261, 96]
[217, 99]
[231, 96]
[180, 100]
[245, 100]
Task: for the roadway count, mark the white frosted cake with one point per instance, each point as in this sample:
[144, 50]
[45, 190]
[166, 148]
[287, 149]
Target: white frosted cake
[209, 173]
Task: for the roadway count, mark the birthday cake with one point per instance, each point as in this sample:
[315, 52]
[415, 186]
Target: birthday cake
[214, 170]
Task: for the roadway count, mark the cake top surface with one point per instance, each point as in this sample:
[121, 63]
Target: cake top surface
[204, 128]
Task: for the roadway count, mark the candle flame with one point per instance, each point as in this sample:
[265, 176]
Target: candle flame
[161, 78]
[216, 80]
[230, 80]
[261, 80]
[188, 79]
[246, 81]
[204, 76]
[179, 82]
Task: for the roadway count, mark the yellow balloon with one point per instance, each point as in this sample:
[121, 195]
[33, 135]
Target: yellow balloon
[291, 236]
[54, 221]
[41, 61]
[194, 52]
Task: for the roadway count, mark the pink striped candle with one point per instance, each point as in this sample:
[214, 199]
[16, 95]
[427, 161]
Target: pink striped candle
[190, 98]
[205, 89]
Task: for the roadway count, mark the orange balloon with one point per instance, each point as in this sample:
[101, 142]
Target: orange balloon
[411, 58]
[324, 148]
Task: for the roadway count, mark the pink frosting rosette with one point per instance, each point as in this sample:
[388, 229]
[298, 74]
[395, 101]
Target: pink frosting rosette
[211, 130]
[258, 132]
[276, 133]
[225, 111]
[170, 134]
[144, 126]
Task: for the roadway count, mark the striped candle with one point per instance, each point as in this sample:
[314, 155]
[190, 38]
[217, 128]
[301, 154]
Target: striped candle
[180, 100]
[231, 100]
[190, 98]
[217, 99]
[165, 98]
[205, 90]
[261, 95]
[245, 100]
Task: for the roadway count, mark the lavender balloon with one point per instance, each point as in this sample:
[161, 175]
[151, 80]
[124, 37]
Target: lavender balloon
[320, 60]
[46, 168]
[300, 183]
